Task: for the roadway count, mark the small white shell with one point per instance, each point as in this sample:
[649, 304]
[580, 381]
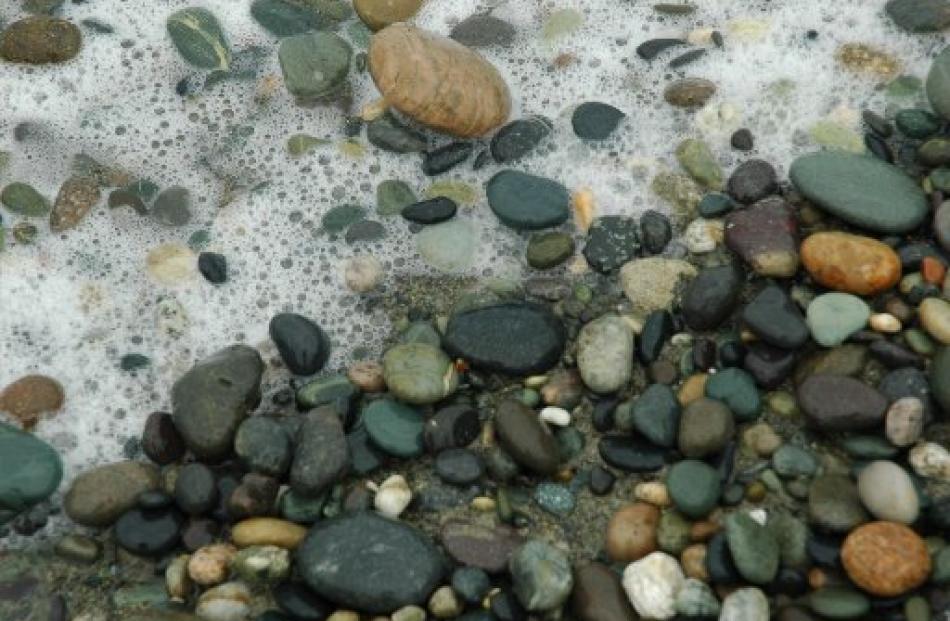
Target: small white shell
[393, 497]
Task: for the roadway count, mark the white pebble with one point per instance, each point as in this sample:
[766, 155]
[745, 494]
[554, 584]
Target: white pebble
[885, 322]
[748, 604]
[759, 515]
[700, 236]
[904, 421]
[652, 583]
[362, 274]
[930, 460]
[653, 492]
[888, 492]
[230, 601]
[556, 416]
[393, 496]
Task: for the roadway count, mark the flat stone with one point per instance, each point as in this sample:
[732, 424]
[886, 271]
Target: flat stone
[656, 415]
[652, 283]
[263, 445]
[347, 559]
[886, 559]
[390, 134]
[394, 427]
[484, 31]
[711, 297]
[736, 389]
[873, 267]
[746, 604]
[862, 191]
[698, 160]
[631, 454]
[598, 595]
[548, 250]
[752, 181]
[476, 545]
[75, 198]
[650, 49]
[833, 317]
[98, 497]
[632, 532]
[24, 200]
[838, 403]
[938, 83]
[689, 92]
[527, 202]
[838, 603]
[40, 40]
[419, 373]
[834, 505]
[512, 338]
[448, 246]
[519, 137]
[286, 17]
[605, 349]
[595, 120]
[377, 15]
[210, 400]
[198, 37]
[611, 242]
[314, 64]
[754, 549]
[706, 426]
[149, 532]
[31, 396]
[430, 210]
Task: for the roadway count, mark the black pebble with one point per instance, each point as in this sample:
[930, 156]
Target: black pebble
[878, 148]
[601, 481]
[593, 120]
[505, 606]
[149, 532]
[688, 57]
[742, 140]
[656, 330]
[824, 550]
[717, 39]
[213, 266]
[731, 353]
[154, 500]
[704, 354]
[430, 211]
[769, 366]
[303, 345]
[648, 50]
[655, 231]
[603, 416]
[459, 466]
[161, 441]
[446, 157]
[455, 426]
[719, 563]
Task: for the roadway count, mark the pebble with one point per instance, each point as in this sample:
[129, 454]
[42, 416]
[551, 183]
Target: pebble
[448, 246]
[611, 242]
[98, 497]
[23, 199]
[206, 409]
[651, 283]
[652, 583]
[393, 496]
[938, 84]
[834, 504]
[775, 318]
[595, 120]
[697, 159]
[31, 396]
[833, 317]
[211, 564]
[394, 427]
[541, 576]
[653, 492]
[885, 559]
[39, 40]
[754, 550]
[752, 181]
[874, 267]
[337, 553]
[556, 416]
[378, 15]
[919, 15]
[444, 604]
[362, 274]
[76, 197]
[766, 237]
[838, 603]
[904, 421]
[762, 439]
[419, 373]
[605, 350]
[321, 456]
[694, 487]
[527, 202]
[459, 466]
[390, 134]
[655, 231]
[745, 604]
[454, 426]
[702, 235]
[876, 196]
[526, 439]
[696, 599]
[149, 532]
[631, 455]
[78, 548]
[737, 390]
[266, 531]
[512, 338]
[930, 460]
[711, 297]
[262, 564]
[934, 316]
[230, 601]
[689, 92]
[791, 461]
[632, 532]
[888, 492]
[484, 30]
[481, 546]
[839, 403]
[706, 426]
[598, 595]
[656, 414]
[742, 140]
[314, 64]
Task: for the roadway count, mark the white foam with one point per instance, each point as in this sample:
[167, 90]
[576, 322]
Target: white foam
[71, 306]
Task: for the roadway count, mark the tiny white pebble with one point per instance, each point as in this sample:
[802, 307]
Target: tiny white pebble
[393, 496]
[759, 515]
[556, 416]
[885, 322]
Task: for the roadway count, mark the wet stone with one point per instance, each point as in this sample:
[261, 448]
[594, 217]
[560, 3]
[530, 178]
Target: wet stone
[527, 202]
[519, 138]
[40, 40]
[430, 211]
[303, 345]
[655, 231]
[548, 250]
[476, 545]
[775, 318]
[752, 181]
[484, 31]
[214, 267]
[594, 120]
[648, 50]
[765, 235]
[459, 466]
[611, 242]
[445, 158]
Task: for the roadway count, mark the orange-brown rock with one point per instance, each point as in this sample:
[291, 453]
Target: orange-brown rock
[631, 532]
[851, 263]
[693, 560]
[437, 81]
[693, 388]
[30, 396]
[885, 559]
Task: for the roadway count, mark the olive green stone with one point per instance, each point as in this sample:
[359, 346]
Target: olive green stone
[672, 532]
[754, 550]
[39, 40]
[547, 250]
[419, 373]
[392, 196]
[314, 65]
[698, 160]
[24, 200]
[916, 608]
[340, 218]
[199, 39]
[838, 603]
[292, 17]
[694, 487]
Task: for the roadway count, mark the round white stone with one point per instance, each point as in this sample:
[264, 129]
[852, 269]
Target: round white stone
[556, 416]
[652, 583]
[888, 492]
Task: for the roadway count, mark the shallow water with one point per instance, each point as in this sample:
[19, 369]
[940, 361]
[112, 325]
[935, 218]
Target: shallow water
[72, 305]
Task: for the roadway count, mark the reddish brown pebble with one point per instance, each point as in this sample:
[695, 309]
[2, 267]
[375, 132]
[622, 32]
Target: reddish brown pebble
[932, 270]
[885, 559]
[851, 263]
[631, 532]
[30, 396]
[703, 530]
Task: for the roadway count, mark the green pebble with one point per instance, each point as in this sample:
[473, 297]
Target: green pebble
[698, 160]
[392, 196]
[554, 498]
[916, 123]
[198, 36]
[736, 389]
[22, 199]
[131, 362]
[339, 218]
[547, 250]
[694, 487]
[916, 608]
[838, 603]
[672, 532]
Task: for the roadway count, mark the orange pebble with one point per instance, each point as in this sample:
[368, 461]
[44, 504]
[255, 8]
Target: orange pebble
[817, 578]
[932, 270]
